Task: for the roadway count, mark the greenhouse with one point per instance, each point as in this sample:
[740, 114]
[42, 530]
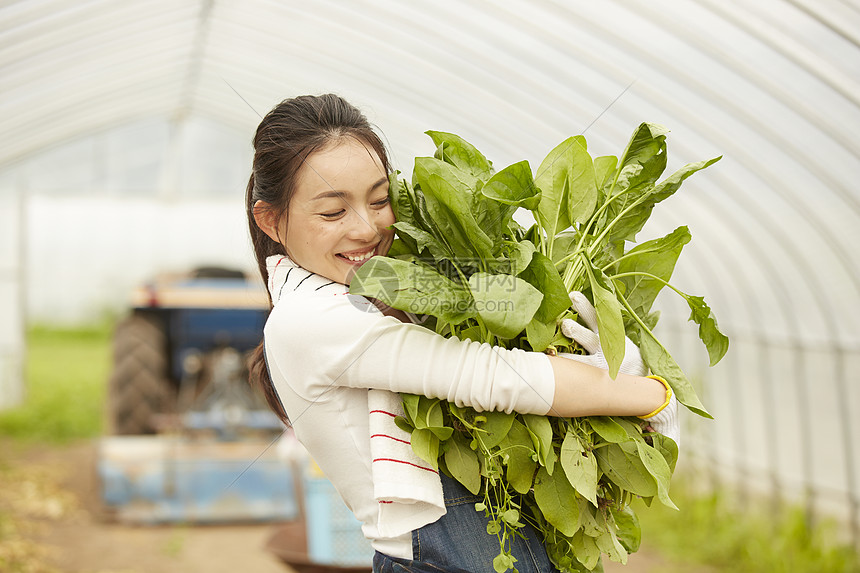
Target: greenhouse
[126, 149]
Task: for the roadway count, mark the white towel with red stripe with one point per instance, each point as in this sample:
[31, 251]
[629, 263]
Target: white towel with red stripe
[408, 490]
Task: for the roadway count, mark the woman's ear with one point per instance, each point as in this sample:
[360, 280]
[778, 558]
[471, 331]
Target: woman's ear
[267, 220]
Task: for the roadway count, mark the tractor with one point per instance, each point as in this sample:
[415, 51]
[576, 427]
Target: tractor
[191, 442]
[180, 349]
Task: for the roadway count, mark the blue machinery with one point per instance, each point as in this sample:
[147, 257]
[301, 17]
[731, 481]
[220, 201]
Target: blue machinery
[192, 443]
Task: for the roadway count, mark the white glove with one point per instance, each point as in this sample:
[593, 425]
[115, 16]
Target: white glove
[666, 421]
[589, 339]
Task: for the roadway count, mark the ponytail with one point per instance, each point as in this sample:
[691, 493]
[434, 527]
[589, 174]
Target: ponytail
[258, 370]
[259, 376]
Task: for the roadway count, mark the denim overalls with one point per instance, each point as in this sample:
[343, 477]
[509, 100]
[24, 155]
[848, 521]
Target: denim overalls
[458, 542]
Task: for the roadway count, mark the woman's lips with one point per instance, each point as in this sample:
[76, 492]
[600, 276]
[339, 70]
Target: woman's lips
[358, 257]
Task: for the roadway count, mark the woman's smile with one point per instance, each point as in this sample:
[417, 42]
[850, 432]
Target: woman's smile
[358, 257]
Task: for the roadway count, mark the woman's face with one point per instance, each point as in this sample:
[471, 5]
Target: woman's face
[339, 215]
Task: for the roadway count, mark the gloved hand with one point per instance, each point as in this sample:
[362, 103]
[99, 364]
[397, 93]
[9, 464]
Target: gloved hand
[589, 339]
[666, 420]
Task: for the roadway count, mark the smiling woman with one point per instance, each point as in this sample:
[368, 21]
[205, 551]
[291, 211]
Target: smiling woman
[339, 213]
[332, 365]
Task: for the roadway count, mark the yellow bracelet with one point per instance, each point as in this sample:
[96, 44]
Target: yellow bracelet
[668, 396]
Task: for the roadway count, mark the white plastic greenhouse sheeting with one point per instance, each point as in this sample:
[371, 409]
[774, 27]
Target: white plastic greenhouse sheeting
[12, 324]
[774, 86]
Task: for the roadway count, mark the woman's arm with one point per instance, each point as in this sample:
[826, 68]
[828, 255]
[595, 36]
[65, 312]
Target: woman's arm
[318, 342]
[583, 390]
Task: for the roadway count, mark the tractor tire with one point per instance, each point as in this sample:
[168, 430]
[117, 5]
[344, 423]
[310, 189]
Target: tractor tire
[139, 386]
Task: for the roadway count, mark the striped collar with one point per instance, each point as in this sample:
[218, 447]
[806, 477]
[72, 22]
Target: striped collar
[287, 276]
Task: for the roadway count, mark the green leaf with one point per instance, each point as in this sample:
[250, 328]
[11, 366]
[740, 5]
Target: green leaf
[471, 333]
[450, 197]
[422, 240]
[401, 199]
[621, 464]
[505, 303]
[638, 169]
[667, 448]
[496, 220]
[586, 550]
[656, 257]
[633, 430]
[582, 187]
[540, 334]
[553, 180]
[513, 185]
[496, 426]
[463, 464]
[512, 517]
[520, 255]
[563, 245]
[587, 521]
[608, 542]
[542, 274]
[540, 429]
[644, 159]
[609, 323]
[457, 151]
[520, 449]
[660, 362]
[608, 429]
[556, 499]
[629, 530]
[715, 341]
[415, 288]
[670, 185]
[657, 467]
[410, 406]
[580, 467]
[632, 222]
[425, 444]
[503, 562]
[403, 424]
[604, 168]
[441, 432]
[429, 413]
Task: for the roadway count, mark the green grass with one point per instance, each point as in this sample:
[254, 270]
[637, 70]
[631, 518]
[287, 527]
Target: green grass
[710, 530]
[66, 380]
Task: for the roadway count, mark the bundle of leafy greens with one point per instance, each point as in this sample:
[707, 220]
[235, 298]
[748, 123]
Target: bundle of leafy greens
[463, 263]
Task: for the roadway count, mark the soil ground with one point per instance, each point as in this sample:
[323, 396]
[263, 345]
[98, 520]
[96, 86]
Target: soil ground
[51, 492]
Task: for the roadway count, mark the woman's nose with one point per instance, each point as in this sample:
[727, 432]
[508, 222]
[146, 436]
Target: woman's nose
[362, 226]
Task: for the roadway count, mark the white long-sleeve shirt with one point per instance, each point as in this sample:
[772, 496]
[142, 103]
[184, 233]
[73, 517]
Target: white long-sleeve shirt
[325, 349]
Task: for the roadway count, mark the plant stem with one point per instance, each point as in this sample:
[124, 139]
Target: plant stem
[650, 276]
[624, 211]
[566, 258]
[619, 259]
[638, 320]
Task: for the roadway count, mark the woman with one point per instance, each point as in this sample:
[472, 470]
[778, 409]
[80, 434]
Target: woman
[318, 208]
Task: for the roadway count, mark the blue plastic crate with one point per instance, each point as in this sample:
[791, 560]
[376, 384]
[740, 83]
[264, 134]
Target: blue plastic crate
[334, 533]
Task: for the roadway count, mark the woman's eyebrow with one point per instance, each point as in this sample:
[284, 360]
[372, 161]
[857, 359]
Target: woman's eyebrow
[382, 180]
[335, 193]
[327, 194]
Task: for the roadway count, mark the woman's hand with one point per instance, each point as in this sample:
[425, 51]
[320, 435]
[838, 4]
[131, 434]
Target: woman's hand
[667, 421]
[589, 339]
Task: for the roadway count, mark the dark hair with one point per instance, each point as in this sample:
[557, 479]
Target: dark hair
[288, 134]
